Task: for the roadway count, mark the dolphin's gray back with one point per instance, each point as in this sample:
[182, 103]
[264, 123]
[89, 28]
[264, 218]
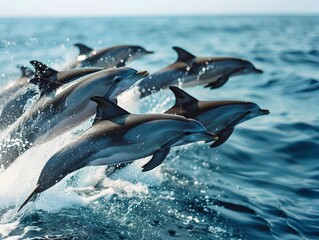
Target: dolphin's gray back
[198, 71]
[108, 57]
[160, 80]
[214, 115]
[71, 75]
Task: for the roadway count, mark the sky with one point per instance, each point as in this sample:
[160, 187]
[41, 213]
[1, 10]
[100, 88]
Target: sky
[72, 8]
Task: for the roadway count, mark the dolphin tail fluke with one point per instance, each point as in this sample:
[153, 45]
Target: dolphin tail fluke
[33, 194]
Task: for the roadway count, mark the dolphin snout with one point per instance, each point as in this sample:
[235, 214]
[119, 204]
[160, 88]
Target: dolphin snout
[137, 76]
[256, 70]
[142, 74]
[264, 111]
[206, 136]
[149, 52]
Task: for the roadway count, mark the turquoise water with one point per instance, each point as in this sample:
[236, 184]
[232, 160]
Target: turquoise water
[261, 184]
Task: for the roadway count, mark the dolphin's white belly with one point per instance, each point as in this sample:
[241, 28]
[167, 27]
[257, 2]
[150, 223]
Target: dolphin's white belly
[121, 154]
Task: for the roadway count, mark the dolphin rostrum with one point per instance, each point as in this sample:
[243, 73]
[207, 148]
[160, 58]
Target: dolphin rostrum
[17, 105]
[189, 70]
[219, 117]
[116, 56]
[70, 107]
[117, 137]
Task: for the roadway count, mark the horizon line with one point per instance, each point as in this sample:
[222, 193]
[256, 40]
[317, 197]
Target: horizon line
[314, 14]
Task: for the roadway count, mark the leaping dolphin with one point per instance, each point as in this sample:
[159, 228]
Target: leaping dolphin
[219, 117]
[189, 70]
[15, 86]
[17, 105]
[71, 106]
[117, 137]
[110, 57]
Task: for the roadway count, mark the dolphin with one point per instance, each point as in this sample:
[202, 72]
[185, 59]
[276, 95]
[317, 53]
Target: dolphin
[70, 107]
[17, 105]
[64, 76]
[117, 136]
[110, 57]
[15, 86]
[218, 117]
[189, 70]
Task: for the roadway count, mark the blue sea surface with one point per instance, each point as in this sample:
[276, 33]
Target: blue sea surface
[261, 184]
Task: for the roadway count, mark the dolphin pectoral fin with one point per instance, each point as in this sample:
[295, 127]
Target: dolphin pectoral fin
[42, 70]
[45, 85]
[223, 79]
[32, 195]
[25, 71]
[222, 136]
[106, 109]
[183, 55]
[216, 84]
[121, 64]
[181, 96]
[83, 49]
[161, 154]
[157, 159]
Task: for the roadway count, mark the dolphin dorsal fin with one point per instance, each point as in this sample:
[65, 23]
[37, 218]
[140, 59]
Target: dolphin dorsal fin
[83, 49]
[25, 71]
[45, 85]
[106, 109]
[183, 55]
[42, 70]
[181, 96]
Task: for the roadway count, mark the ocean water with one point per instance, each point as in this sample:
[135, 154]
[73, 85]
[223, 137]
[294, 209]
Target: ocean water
[261, 184]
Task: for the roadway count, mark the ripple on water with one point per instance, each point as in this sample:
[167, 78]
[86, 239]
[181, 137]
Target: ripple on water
[260, 184]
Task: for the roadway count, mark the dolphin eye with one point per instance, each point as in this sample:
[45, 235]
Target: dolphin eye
[187, 133]
[117, 79]
[248, 112]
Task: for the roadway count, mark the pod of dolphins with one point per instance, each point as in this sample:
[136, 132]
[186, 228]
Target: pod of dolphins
[44, 103]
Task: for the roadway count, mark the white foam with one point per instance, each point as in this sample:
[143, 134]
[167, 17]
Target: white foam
[7, 228]
[18, 181]
[81, 188]
[133, 173]
[129, 100]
